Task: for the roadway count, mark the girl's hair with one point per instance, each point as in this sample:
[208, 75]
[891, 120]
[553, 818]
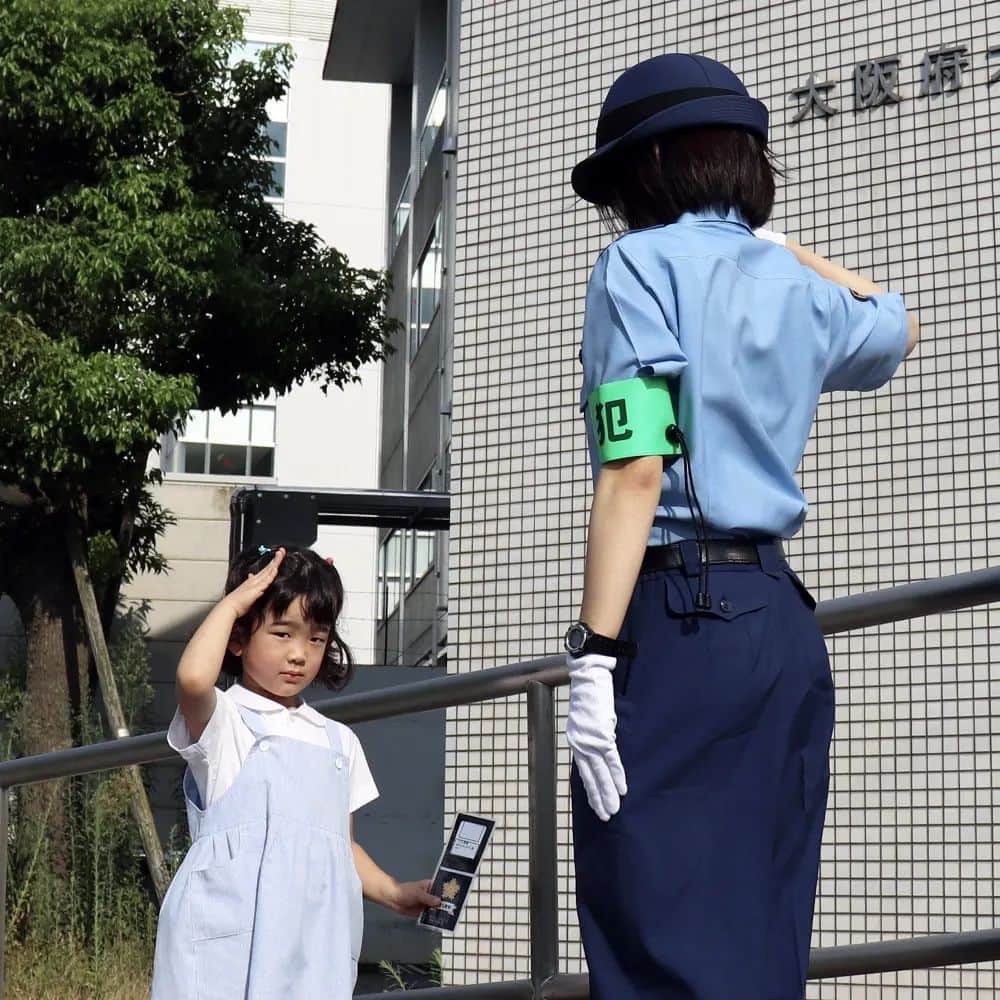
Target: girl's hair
[306, 576]
[653, 183]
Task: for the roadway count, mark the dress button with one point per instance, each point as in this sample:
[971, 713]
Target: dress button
[340, 764]
[264, 746]
[724, 605]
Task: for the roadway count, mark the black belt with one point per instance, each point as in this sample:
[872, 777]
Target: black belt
[719, 550]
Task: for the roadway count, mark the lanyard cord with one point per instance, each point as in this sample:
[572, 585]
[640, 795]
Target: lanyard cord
[704, 599]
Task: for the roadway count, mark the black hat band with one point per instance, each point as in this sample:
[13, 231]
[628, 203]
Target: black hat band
[616, 123]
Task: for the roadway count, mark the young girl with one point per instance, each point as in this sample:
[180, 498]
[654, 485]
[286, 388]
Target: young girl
[701, 700]
[267, 902]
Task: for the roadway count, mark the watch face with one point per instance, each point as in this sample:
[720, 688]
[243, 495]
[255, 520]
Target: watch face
[576, 636]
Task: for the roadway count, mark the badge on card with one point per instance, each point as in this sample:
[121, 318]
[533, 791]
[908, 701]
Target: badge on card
[456, 870]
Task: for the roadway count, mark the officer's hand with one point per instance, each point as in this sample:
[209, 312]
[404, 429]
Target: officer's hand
[590, 731]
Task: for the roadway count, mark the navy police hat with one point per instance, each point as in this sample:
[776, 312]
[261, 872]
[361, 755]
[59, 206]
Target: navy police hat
[662, 94]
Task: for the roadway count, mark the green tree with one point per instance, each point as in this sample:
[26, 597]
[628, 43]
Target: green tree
[141, 274]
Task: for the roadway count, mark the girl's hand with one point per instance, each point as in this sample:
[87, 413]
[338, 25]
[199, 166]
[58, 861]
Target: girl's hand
[243, 598]
[410, 898]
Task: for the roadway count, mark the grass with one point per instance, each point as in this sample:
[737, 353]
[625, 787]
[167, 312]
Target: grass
[401, 976]
[41, 972]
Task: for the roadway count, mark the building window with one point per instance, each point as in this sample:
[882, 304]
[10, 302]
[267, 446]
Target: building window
[405, 558]
[277, 127]
[432, 124]
[423, 554]
[401, 214]
[214, 443]
[277, 132]
[422, 548]
[390, 565]
[425, 290]
[249, 51]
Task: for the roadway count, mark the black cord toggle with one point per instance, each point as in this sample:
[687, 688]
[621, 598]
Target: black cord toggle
[703, 599]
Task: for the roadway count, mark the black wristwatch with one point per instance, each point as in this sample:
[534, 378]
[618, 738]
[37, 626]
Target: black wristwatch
[581, 639]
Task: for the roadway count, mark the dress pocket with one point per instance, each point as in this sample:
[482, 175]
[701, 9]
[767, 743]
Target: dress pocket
[223, 895]
[735, 592]
[807, 597]
[714, 672]
[222, 967]
[357, 920]
[348, 883]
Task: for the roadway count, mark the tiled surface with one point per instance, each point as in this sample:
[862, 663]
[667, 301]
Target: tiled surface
[900, 482]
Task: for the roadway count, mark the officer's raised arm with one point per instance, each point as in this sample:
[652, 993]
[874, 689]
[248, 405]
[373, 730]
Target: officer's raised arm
[862, 287]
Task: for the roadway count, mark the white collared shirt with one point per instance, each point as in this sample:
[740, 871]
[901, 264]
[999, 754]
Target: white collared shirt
[215, 760]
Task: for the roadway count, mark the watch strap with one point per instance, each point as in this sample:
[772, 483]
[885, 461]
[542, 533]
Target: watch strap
[605, 646]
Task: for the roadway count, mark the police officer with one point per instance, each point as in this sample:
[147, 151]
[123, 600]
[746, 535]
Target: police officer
[701, 699]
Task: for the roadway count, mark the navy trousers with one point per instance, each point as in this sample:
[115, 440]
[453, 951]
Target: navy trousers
[702, 887]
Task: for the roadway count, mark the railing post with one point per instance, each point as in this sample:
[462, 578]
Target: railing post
[4, 849]
[542, 862]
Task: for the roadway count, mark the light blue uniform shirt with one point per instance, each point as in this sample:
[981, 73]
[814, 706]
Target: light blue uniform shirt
[749, 338]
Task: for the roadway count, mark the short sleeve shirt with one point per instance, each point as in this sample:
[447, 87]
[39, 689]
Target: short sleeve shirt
[215, 760]
[749, 339]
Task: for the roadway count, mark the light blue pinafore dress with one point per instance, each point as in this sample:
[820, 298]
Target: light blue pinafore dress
[267, 903]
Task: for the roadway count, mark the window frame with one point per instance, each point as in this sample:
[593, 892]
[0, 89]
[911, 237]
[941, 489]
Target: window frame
[431, 129]
[418, 329]
[173, 444]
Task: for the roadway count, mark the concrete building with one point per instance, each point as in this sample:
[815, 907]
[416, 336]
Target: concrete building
[885, 121]
[405, 46]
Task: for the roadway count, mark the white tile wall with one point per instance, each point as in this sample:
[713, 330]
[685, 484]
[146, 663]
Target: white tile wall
[901, 482]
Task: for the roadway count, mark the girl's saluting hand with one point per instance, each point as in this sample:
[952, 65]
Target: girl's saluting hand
[243, 598]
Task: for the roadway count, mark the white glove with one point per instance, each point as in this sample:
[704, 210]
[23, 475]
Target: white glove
[590, 731]
[769, 234]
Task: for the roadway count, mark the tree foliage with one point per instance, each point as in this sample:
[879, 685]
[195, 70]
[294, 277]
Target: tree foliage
[142, 273]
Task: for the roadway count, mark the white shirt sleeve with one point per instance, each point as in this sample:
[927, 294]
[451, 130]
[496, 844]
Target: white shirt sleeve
[215, 760]
[362, 787]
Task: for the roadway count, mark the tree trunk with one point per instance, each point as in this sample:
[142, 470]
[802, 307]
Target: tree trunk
[43, 589]
[142, 813]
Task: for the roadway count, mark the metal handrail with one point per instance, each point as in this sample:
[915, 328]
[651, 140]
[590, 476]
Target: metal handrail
[537, 679]
[420, 696]
[912, 600]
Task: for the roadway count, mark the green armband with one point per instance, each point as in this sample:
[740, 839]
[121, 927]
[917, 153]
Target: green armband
[631, 418]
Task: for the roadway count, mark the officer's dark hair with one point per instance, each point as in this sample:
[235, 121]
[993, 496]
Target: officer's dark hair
[303, 575]
[656, 181]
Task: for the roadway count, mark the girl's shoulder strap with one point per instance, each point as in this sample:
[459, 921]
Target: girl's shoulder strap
[254, 721]
[339, 736]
